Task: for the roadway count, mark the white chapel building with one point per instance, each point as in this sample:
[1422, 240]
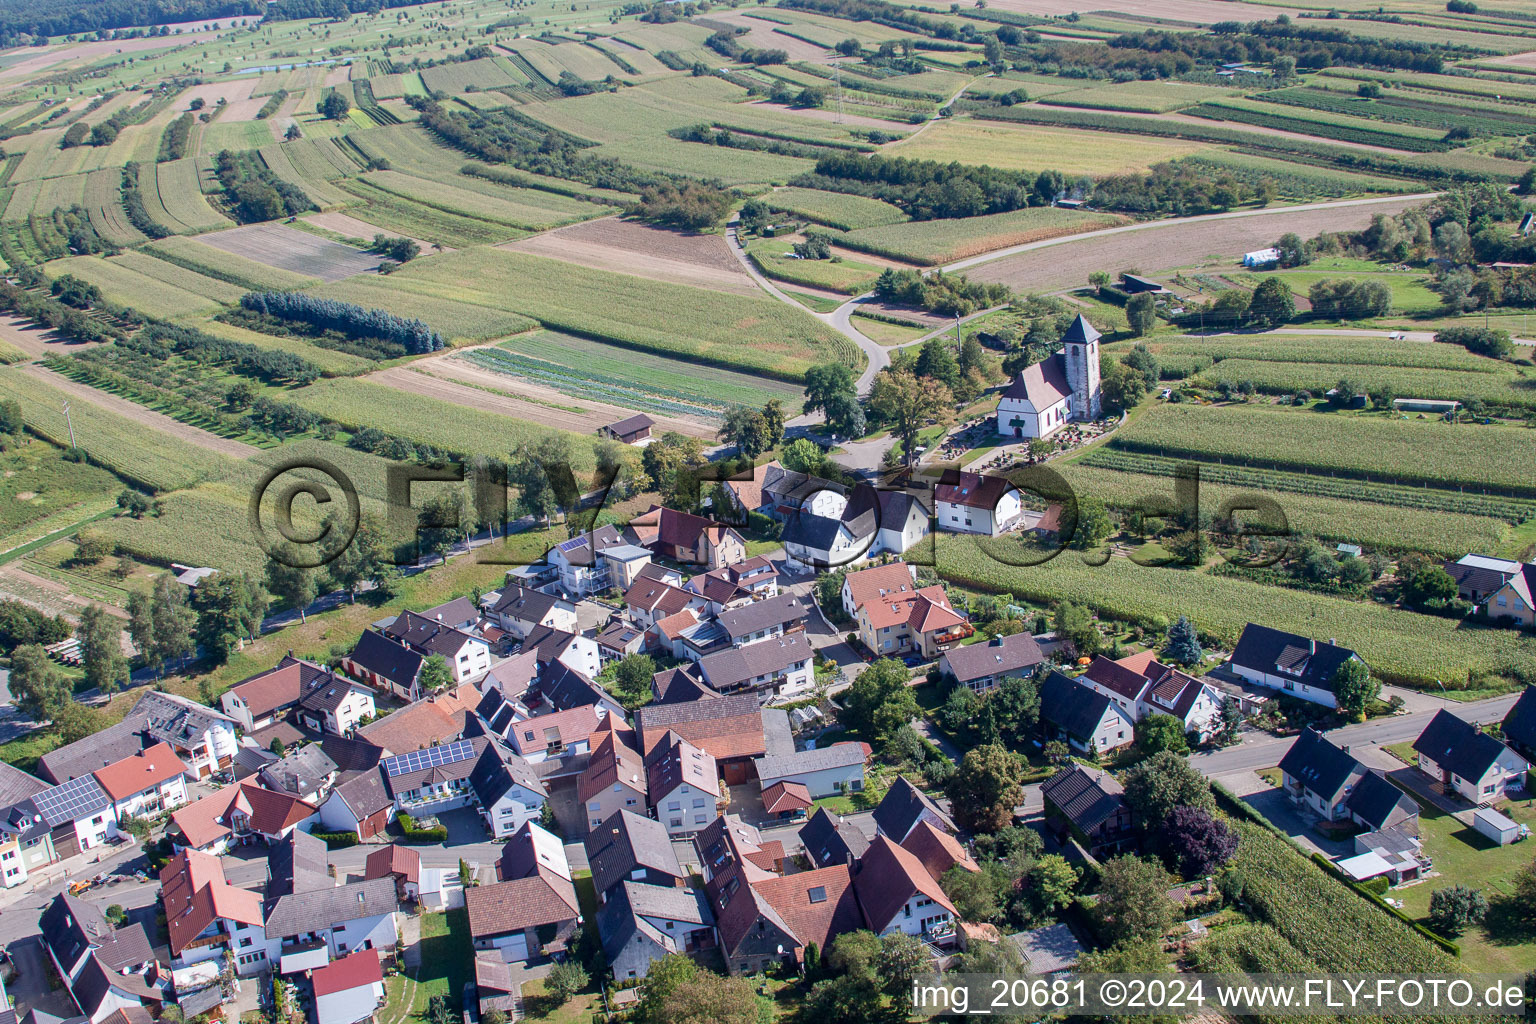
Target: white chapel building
[1063, 387]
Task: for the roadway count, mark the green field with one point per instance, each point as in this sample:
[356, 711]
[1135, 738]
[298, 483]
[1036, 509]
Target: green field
[1299, 348]
[931, 242]
[835, 209]
[1400, 646]
[36, 482]
[227, 266]
[1496, 458]
[148, 285]
[775, 257]
[749, 334]
[1277, 378]
[1029, 148]
[584, 368]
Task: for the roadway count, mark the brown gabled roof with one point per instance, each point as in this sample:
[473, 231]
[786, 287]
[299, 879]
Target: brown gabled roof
[786, 796]
[1126, 682]
[543, 898]
[391, 860]
[888, 877]
[660, 599]
[724, 727]
[749, 493]
[937, 850]
[533, 735]
[196, 893]
[817, 905]
[276, 688]
[613, 760]
[973, 490]
[880, 581]
[429, 721]
[207, 820]
[674, 624]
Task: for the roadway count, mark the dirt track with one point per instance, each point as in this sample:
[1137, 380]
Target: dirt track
[625, 247]
[460, 382]
[148, 417]
[1175, 244]
[1200, 12]
[37, 341]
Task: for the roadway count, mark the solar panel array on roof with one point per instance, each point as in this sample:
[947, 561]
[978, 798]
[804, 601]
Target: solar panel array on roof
[567, 545]
[71, 801]
[431, 757]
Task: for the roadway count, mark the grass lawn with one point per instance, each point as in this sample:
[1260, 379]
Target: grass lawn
[1403, 752]
[1272, 776]
[816, 303]
[447, 962]
[1463, 855]
[887, 334]
[577, 1010]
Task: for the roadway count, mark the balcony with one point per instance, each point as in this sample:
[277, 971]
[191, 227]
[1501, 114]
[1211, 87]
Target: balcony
[955, 635]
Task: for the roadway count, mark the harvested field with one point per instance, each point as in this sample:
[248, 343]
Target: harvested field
[820, 114]
[346, 224]
[1035, 148]
[463, 383]
[291, 249]
[1519, 60]
[1200, 12]
[157, 422]
[1158, 246]
[762, 35]
[36, 341]
[627, 247]
[232, 91]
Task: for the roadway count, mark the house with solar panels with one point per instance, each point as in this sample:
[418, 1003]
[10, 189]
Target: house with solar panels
[477, 772]
[78, 814]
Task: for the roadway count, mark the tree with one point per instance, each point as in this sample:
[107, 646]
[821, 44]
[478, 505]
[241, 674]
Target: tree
[1522, 897]
[977, 895]
[830, 388]
[1231, 721]
[668, 463]
[1157, 733]
[936, 361]
[1098, 279]
[902, 960]
[101, 649]
[296, 585]
[746, 429]
[986, 788]
[1093, 524]
[1197, 841]
[1121, 387]
[335, 106]
[1271, 304]
[1183, 647]
[1430, 586]
[1141, 313]
[161, 624]
[803, 456]
[1293, 251]
[1141, 359]
[564, 980]
[632, 679]
[1354, 687]
[75, 721]
[1014, 708]
[909, 403]
[449, 516]
[1052, 882]
[676, 991]
[1452, 910]
[879, 702]
[435, 674]
[856, 954]
[844, 999]
[363, 560]
[1075, 623]
[1133, 899]
[1165, 780]
[226, 606]
[38, 688]
[773, 417]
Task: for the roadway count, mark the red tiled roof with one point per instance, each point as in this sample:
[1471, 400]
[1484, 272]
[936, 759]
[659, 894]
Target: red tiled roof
[613, 760]
[937, 850]
[144, 770]
[352, 971]
[672, 625]
[890, 876]
[572, 726]
[195, 894]
[276, 688]
[1138, 662]
[786, 796]
[436, 719]
[817, 905]
[924, 610]
[393, 859]
[868, 584]
[207, 820]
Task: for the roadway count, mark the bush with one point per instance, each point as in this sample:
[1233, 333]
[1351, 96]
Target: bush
[413, 834]
[338, 840]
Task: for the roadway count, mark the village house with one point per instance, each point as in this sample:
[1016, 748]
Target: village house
[435, 719]
[904, 807]
[261, 700]
[905, 620]
[310, 920]
[684, 787]
[631, 847]
[145, 784]
[1141, 686]
[1089, 805]
[242, 813]
[1328, 781]
[1468, 761]
[306, 771]
[26, 841]
[649, 601]
[618, 641]
[823, 771]
[105, 970]
[331, 704]
[1502, 589]
[821, 543]
[685, 539]
[937, 850]
[773, 668]
[829, 839]
[555, 735]
[359, 803]
[519, 610]
[203, 738]
[1520, 724]
[1061, 388]
[385, 665]
[642, 923]
[401, 864]
[80, 815]
[615, 777]
[551, 647]
[734, 729]
[349, 990]
[976, 503]
[1295, 665]
[982, 667]
[533, 910]
[897, 894]
[1083, 717]
[468, 656]
[207, 918]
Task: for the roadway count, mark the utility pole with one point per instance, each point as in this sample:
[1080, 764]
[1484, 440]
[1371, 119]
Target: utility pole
[837, 70]
[71, 423]
[957, 334]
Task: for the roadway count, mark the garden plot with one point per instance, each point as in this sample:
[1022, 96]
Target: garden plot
[289, 249]
[627, 247]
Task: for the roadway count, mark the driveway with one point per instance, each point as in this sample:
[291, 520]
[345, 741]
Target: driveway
[1277, 807]
[29, 989]
[464, 826]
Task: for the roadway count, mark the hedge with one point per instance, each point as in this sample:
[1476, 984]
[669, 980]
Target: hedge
[336, 840]
[421, 835]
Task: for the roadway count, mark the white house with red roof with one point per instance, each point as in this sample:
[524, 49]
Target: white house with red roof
[350, 989]
[977, 503]
[1064, 387]
[896, 617]
[150, 782]
[1140, 685]
[207, 917]
[897, 894]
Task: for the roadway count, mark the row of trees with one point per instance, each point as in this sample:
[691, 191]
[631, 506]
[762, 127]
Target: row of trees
[349, 319]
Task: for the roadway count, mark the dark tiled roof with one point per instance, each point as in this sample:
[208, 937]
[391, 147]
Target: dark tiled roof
[888, 877]
[384, 657]
[326, 693]
[1520, 723]
[1459, 746]
[16, 785]
[739, 664]
[423, 634]
[1272, 650]
[625, 842]
[98, 750]
[678, 686]
[363, 792]
[975, 490]
[328, 907]
[830, 840]
[1322, 767]
[540, 899]
[1071, 706]
[1087, 798]
[525, 605]
[786, 609]
[711, 725]
[1379, 803]
[171, 718]
[631, 424]
[903, 806]
[1001, 656]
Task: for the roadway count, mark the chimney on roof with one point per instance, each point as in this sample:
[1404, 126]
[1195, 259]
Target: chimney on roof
[1311, 646]
[996, 641]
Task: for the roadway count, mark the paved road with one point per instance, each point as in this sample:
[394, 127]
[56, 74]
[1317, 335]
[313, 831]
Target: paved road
[1261, 750]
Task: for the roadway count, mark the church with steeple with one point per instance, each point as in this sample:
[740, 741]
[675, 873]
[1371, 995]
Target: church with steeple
[1042, 398]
